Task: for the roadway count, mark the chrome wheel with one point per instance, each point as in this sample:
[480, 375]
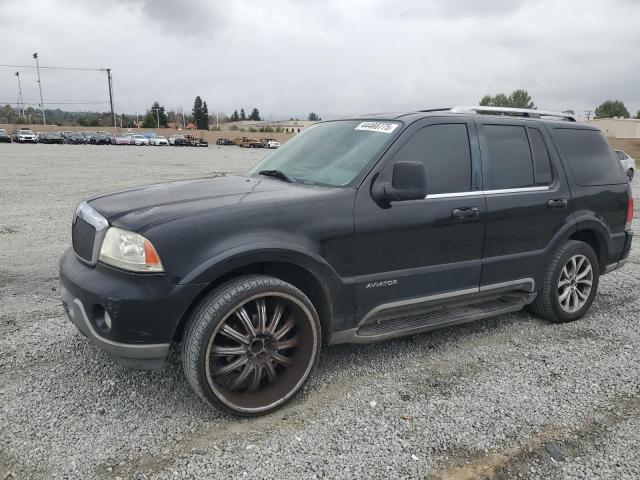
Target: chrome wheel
[261, 352]
[575, 283]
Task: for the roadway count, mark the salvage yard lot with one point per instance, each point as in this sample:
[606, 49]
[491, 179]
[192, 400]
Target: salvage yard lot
[501, 397]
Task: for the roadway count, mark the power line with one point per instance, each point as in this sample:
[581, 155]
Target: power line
[56, 68]
[28, 102]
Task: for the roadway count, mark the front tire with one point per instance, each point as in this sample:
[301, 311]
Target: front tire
[569, 285]
[251, 344]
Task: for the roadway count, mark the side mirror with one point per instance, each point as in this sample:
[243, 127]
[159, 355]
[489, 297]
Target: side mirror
[408, 182]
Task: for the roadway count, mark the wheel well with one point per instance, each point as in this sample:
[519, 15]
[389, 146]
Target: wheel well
[297, 276]
[591, 238]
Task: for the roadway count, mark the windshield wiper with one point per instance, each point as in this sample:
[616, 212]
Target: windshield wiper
[276, 174]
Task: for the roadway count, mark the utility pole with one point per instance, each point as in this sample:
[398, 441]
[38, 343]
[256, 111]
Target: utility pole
[21, 103]
[44, 121]
[158, 115]
[111, 96]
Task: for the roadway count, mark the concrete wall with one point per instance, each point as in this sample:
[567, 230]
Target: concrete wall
[618, 127]
[211, 137]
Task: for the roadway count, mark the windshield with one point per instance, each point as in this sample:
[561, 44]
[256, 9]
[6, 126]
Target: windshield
[330, 153]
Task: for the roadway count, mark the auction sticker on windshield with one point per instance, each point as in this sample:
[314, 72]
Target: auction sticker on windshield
[382, 127]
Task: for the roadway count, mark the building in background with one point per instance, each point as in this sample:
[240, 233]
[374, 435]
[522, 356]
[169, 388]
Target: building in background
[618, 127]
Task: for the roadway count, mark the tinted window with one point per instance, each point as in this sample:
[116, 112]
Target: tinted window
[444, 150]
[331, 153]
[589, 156]
[509, 164]
[541, 161]
[620, 155]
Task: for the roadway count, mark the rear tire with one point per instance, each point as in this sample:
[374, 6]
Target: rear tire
[251, 345]
[569, 285]
[630, 174]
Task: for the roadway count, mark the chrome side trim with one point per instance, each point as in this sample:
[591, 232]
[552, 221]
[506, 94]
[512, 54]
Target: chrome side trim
[516, 190]
[529, 283]
[413, 301]
[475, 193]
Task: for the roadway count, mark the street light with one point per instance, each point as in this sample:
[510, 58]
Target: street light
[35, 56]
[21, 105]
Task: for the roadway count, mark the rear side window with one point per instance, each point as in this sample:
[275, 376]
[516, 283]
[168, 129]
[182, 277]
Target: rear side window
[444, 150]
[509, 164]
[589, 156]
[541, 160]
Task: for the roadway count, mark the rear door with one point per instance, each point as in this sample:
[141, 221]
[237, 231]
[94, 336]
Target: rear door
[528, 199]
[410, 251]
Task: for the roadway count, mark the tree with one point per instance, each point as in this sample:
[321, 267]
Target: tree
[200, 114]
[156, 114]
[612, 108]
[313, 117]
[255, 115]
[205, 114]
[243, 116]
[518, 99]
[234, 117]
[637, 117]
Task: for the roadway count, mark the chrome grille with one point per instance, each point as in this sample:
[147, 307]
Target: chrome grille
[83, 236]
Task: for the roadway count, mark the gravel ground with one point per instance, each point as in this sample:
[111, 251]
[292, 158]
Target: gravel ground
[509, 397]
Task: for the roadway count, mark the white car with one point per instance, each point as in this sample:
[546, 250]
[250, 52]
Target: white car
[140, 140]
[22, 135]
[158, 140]
[628, 163]
[273, 144]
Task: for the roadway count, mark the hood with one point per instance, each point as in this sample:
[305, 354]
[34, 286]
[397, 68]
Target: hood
[140, 207]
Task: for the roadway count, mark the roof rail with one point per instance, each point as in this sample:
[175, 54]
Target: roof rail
[524, 112]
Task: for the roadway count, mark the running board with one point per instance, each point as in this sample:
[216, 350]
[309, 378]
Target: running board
[443, 317]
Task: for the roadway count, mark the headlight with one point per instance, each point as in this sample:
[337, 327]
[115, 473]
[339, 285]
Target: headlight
[129, 251]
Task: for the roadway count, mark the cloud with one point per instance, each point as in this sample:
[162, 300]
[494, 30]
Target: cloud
[334, 57]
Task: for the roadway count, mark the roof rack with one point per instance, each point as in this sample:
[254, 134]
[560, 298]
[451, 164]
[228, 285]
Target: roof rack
[524, 112]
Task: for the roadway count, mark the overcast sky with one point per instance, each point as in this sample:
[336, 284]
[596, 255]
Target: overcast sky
[334, 57]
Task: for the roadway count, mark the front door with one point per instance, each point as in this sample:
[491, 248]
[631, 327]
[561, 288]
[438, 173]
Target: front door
[411, 252]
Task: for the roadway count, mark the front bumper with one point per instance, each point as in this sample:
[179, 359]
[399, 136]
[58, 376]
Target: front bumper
[145, 310]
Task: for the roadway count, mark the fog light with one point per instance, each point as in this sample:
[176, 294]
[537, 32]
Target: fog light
[107, 320]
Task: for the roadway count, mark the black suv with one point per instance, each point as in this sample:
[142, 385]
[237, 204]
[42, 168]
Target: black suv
[354, 231]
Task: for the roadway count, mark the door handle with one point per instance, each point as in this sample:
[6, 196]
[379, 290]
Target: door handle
[557, 203]
[465, 213]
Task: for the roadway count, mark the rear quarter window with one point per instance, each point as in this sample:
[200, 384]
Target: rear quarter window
[590, 158]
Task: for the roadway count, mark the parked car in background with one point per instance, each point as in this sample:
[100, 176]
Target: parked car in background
[224, 141]
[24, 135]
[50, 137]
[628, 163]
[87, 136]
[196, 141]
[140, 140]
[121, 140]
[149, 136]
[178, 141]
[65, 134]
[158, 140]
[75, 139]
[4, 136]
[99, 139]
[273, 144]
